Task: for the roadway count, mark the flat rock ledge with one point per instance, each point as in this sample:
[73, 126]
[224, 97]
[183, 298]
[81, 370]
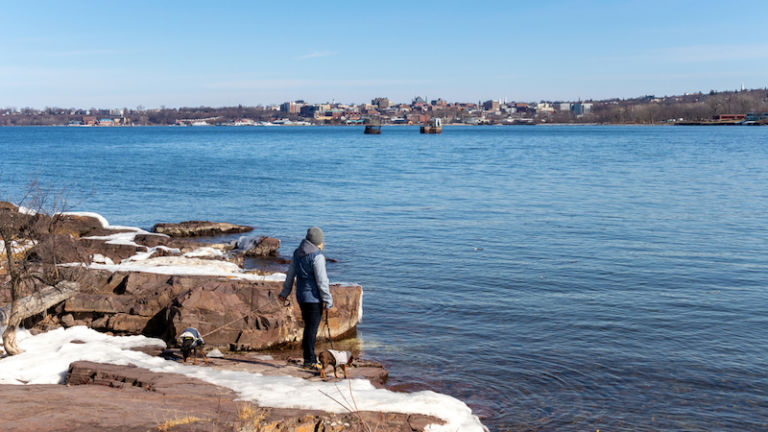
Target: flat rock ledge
[100, 397]
[199, 229]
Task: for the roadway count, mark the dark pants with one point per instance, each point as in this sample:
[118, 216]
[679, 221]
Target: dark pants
[312, 314]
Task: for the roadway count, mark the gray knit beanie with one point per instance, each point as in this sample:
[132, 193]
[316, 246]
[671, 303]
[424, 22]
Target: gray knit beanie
[315, 236]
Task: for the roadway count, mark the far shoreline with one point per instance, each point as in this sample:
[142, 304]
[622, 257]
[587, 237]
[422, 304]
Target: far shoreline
[353, 126]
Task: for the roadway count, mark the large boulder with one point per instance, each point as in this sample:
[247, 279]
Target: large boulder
[232, 312]
[199, 229]
[265, 321]
[262, 247]
[59, 249]
[79, 225]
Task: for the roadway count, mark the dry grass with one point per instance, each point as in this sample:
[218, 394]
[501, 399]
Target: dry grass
[246, 412]
[350, 405]
[177, 422]
[250, 413]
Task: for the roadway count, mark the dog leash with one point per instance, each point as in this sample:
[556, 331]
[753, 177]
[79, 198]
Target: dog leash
[328, 326]
[286, 303]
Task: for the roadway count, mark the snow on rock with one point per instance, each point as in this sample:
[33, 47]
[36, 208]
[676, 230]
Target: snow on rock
[205, 252]
[105, 224]
[101, 219]
[215, 353]
[17, 247]
[144, 256]
[179, 265]
[27, 211]
[47, 357]
[121, 238]
[188, 264]
[101, 259]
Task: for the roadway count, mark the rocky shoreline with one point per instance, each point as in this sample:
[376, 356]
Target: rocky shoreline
[134, 282]
[99, 397]
[137, 282]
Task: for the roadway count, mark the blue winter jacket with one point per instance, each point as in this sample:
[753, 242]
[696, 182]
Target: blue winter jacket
[308, 268]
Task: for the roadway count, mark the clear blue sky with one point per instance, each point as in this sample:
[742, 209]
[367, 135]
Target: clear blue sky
[173, 53]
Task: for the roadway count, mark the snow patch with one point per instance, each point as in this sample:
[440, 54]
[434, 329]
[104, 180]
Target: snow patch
[179, 265]
[215, 353]
[144, 256]
[105, 223]
[27, 211]
[121, 238]
[101, 259]
[47, 357]
[17, 247]
[360, 307]
[205, 252]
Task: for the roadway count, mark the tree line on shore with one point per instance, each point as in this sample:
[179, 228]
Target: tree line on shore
[694, 107]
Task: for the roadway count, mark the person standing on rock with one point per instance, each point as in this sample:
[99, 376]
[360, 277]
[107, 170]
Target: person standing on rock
[312, 291]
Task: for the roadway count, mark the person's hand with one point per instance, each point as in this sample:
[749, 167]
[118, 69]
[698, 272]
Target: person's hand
[282, 299]
[325, 307]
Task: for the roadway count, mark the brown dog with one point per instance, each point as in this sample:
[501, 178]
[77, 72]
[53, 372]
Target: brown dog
[337, 359]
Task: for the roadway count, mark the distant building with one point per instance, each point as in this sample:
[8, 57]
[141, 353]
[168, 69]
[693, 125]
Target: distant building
[509, 109]
[545, 107]
[381, 102]
[415, 118]
[581, 108]
[439, 103]
[309, 111]
[491, 105]
[291, 107]
[756, 116]
[418, 102]
[722, 117]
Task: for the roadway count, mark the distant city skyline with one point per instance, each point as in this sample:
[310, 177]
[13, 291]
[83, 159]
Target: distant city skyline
[95, 54]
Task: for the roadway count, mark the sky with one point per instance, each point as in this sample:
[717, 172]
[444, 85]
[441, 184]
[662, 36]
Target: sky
[147, 53]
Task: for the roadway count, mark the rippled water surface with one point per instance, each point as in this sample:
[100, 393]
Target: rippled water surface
[554, 278]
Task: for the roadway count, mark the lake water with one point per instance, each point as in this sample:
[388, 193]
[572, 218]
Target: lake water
[554, 278]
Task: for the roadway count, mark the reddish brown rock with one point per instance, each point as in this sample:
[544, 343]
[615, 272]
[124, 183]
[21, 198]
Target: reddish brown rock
[232, 313]
[67, 320]
[152, 239]
[115, 252]
[110, 397]
[265, 247]
[155, 239]
[80, 226]
[199, 229]
[8, 206]
[59, 248]
[265, 321]
[229, 311]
